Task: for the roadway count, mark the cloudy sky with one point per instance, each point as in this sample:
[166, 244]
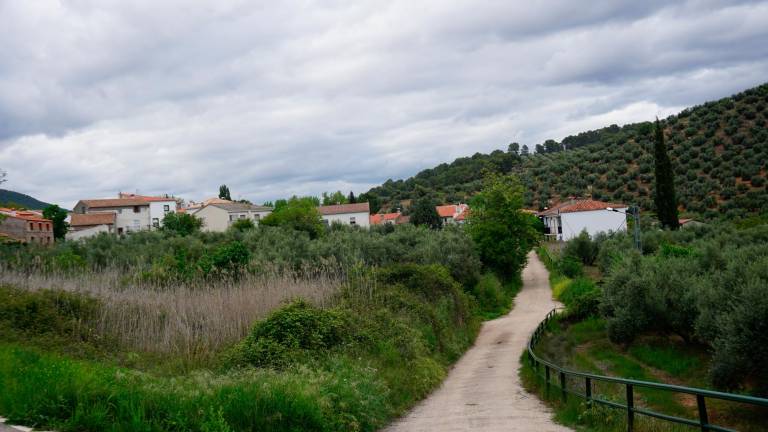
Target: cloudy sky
[297, 97]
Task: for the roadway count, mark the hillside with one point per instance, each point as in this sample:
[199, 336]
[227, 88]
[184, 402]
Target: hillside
[8, 197]
[719, 152]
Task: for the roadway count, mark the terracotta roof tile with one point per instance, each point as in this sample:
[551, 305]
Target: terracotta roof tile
[344, 208]
[573, 206]
[114, 202]
[92, 219]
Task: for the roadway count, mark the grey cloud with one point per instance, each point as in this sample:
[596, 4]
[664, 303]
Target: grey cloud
[298, 97]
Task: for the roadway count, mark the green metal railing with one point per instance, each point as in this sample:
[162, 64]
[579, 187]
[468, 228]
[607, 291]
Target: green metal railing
[589, 380]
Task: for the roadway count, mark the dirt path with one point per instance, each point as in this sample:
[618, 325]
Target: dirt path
[483, 391]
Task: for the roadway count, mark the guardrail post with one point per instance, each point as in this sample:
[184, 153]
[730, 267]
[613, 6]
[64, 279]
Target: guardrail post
[630, 409]
[562, 386]
[703, 420]
[588, 393]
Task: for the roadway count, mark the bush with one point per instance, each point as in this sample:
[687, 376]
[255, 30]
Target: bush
[292, 332]
[64, 315]
[490, 295]
[242, 225]
[583, 248]
[570, 267]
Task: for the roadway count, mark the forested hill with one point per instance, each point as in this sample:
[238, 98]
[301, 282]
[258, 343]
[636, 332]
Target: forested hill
[719, 152]
[8, 197]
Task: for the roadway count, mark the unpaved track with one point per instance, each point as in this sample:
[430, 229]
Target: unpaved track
[483, 392]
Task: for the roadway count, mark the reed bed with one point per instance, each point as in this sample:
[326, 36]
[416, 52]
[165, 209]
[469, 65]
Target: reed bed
[189, 318]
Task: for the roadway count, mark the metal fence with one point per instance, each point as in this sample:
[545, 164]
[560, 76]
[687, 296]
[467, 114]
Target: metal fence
[555, 375]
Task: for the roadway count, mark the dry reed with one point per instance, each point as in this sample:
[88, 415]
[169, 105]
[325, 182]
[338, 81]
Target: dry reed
[190, 319]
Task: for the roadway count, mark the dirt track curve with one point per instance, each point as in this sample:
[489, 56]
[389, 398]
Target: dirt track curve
[483, 391]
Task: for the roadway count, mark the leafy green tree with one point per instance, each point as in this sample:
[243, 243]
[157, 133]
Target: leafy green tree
[424, 212]
[502, 231]
[514, 148]
[2, 176]
[57, 215]
[334, 198]
[525, 151]
[351, 198]
[299, 214]
[182, 224]
[224, 193]
[665, 198]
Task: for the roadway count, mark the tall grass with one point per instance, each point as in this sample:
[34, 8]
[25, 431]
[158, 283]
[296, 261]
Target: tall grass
[189, 319]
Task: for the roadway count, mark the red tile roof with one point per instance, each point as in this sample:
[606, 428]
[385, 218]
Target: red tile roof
[581, 205]
[23, 214]
[114, 202]
[92, 219]
[344, 208]
[381, 218]
[446, 210]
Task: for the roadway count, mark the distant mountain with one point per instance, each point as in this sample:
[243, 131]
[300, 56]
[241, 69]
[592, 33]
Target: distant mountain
[20, 199]
[718, 150]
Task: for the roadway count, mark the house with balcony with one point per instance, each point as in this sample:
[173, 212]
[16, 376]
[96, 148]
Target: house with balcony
[219, 216]
[568, 219]
[131, 214]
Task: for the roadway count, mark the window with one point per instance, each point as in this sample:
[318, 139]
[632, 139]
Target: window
[156, 222]
[39, 226]
[120, 231]
[166, 208]
[136, 209]
[352, 220]
[256, 217]
[119, 211]
[48, 227]
[232, 217]
[242, 216]
[31, 226]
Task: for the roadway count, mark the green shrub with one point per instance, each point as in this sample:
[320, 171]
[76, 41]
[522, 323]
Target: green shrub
[583, 248]
[490, 294]
[60, 314]
[570, 267]
[292, 332]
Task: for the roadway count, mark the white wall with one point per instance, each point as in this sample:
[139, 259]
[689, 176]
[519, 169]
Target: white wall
[157, 210]
[89, 232]
[126, 219]
[593, 221]
[214, 218]
[361, 219]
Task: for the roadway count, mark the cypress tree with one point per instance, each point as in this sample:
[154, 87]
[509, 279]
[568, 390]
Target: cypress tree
[224, 193]
[665, 198]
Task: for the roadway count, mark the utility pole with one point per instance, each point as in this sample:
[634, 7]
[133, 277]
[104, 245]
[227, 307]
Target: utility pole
[636, 216]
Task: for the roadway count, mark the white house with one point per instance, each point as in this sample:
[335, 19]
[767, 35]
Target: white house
[219, 216]
[158, 206]
[131, 214]
[348, 214]
[568, 219]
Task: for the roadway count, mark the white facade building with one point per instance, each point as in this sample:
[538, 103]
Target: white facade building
[131, 214]
[219, 216]
[567, 220]
[348, 214]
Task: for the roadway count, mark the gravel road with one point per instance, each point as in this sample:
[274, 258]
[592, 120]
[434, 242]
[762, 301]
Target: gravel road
[483, 391]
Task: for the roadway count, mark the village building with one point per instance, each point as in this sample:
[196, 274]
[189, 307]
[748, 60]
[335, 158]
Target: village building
[26, 227]
[158, 206]
[396, 218]
[88, 225]
[452, 213]
[348, 214]
[219, 216]
[568, 219]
